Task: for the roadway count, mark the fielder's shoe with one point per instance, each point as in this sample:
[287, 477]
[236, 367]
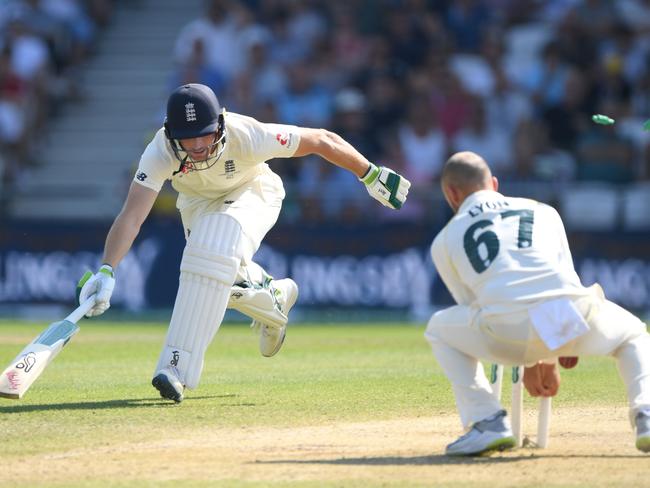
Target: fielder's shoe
[271, 335]
[642, 422]
[168, 385]
[490, 434]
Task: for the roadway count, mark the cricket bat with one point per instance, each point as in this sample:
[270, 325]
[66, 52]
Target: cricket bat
[32, 360]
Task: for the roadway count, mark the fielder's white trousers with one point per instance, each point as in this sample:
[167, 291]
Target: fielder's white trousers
[460, 336]
[255, 205]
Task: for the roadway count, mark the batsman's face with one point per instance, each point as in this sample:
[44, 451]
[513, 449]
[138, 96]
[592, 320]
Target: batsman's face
[199, 148]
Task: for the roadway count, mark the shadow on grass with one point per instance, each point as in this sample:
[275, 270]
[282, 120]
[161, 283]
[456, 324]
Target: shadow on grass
[108, 404]
[435, 460]
[398, 460]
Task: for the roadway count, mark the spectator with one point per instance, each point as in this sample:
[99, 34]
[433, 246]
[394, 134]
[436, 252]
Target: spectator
[284, 49]
[269, 79]
[351, 123]
[507, 106]
[490, 140]
[219, 35]
[350, 47]
[14, 112]
[546, 80]
[467, 20]
[195, 69]
[635, 13]
[423, 145]
[406, 37]
[564, 121]
[305, 102]
[451, 102]
[81, 27]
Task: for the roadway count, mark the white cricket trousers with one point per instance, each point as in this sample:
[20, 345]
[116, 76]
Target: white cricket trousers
[255, 205]
[460, 336]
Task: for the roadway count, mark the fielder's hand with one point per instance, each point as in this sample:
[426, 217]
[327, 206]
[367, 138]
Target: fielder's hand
[101, 284]
[386, 186]
[543, 379]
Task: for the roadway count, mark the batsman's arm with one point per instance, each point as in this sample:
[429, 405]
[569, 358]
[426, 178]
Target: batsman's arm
[333, 148]
[120, 237]
[383, 184]
[126, 226]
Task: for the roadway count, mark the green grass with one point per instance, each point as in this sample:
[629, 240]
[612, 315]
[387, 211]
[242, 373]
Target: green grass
[102, 380]
[98, 389]
[324, 373]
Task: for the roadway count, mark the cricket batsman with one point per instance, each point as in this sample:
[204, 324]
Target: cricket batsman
[506, 261]
[228, 199]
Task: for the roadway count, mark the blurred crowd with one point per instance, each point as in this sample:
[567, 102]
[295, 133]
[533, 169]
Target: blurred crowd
[410, 81]
[42, 44]
[407, 82]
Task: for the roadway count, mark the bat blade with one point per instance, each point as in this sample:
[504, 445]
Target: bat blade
[32, 360]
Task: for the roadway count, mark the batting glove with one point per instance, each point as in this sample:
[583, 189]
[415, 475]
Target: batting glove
[101, 284]
[386, 186]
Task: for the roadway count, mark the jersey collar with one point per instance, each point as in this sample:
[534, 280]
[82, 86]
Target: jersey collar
[477, 196]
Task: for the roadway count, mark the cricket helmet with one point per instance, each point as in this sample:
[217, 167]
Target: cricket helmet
[194, 111]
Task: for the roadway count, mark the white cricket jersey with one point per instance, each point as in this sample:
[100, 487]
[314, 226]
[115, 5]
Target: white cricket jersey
[249, 144]
[501, 253]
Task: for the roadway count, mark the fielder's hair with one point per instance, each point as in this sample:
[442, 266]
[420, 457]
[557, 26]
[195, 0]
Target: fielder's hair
[466, 170]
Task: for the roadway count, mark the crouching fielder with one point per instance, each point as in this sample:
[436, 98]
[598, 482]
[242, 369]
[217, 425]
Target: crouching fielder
[506, 262]
[228, 199]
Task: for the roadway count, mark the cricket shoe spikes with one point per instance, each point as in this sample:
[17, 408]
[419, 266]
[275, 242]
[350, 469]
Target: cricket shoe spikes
[642, 423]
[272, 336]
[490, 434]
[169, 386]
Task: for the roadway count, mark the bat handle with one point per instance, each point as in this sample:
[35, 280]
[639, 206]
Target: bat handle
[81, 310]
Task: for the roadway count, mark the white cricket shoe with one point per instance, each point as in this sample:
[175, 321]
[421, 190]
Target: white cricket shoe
[490, 434]
[168, 384]
[642, 422]
[271, 335]
[258, 301]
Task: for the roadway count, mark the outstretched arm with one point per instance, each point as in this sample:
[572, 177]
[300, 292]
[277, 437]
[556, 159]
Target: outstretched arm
[123, 232]
[383, 184]
[126, 226]
[333, 148]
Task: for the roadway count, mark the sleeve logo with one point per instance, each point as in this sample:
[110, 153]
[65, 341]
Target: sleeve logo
[283, 138]
[141, 176]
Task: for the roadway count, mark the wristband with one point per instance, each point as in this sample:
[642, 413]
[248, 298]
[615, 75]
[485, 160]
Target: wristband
[107, 269]
[371, 175]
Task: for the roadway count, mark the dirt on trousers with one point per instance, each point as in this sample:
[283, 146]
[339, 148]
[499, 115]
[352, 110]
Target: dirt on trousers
[588, 447]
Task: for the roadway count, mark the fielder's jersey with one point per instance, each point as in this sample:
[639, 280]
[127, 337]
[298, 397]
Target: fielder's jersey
[501, 253]
[249, 144]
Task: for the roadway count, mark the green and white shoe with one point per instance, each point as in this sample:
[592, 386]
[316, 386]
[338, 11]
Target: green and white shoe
[271, 336]
[258, 301]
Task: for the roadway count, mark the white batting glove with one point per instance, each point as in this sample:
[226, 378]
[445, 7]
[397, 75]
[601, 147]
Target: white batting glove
[101, 284]
[386, 186]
